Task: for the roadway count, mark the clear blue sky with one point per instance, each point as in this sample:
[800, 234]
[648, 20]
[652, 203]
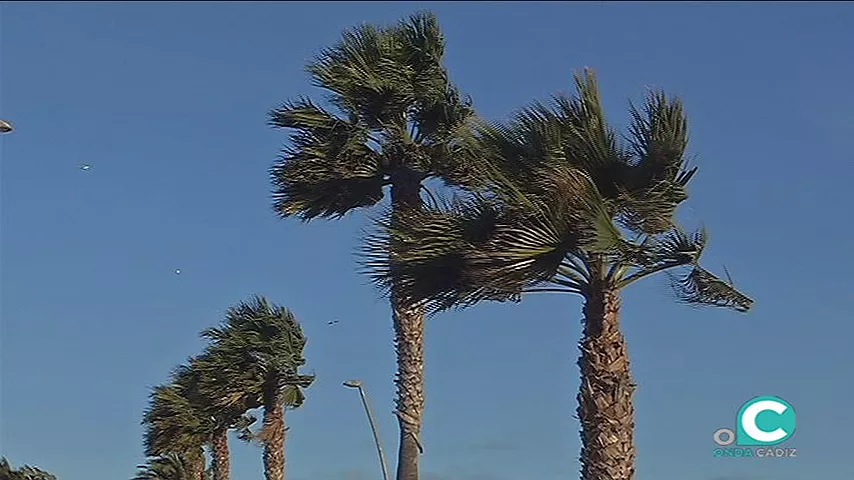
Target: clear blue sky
[168, 104]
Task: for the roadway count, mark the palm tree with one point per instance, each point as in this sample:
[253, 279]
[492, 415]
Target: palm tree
[206, 389]
[24, 473]
[570, 209]
[6, 471]
[396, 121]
[167, 467]
[173, 426]
[259, 350]
[191, 412]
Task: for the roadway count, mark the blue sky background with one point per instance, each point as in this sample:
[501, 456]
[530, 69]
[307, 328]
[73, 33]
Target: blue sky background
[168, 104]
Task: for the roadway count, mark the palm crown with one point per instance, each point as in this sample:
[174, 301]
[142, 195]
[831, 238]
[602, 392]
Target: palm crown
[566, 203]
[174, 424]
[398, 117]
[259, 343]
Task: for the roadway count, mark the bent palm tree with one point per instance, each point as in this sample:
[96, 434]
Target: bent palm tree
[568, 209]
[174, 426]
[399, 121]
[207, 391]
[259, 349]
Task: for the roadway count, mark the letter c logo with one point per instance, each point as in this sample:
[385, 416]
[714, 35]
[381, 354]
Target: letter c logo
[773, 430]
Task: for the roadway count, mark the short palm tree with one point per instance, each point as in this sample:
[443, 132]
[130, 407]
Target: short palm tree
[258, 351]
[569, 208]
[397, 121]
[174, 426]
[23, 473]
[203, 384]
[167, 467]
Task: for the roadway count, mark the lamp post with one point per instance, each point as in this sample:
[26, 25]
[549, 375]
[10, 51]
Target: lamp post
[358, 385]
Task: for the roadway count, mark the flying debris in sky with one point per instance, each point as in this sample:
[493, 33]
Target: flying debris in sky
[84, 166]
[5, 126]
[333, 322]
[177, 271]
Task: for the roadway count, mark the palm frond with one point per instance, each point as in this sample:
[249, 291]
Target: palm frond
[674, 248]
[659, 136]
[477, 248]
[429, 263]
[445, 133]
[589, 143]
[655, 184]
[365, 75]
[228, 384]
[172, 424]
[328, 169]
[171, 466]
[259, 342]
[423, 49]
[700, 287]
[531, 241]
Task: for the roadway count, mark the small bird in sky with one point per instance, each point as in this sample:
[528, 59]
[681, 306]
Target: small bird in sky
[177, 271]
[333, 322]
[84, 166]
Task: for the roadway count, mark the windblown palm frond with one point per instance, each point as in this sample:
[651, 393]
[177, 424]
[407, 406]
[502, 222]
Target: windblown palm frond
[365, 76]
[700, 287]
[656, 182]
[480, 248]
[172, 424]
[166, 467]
[643, 183]
[225, 384]
[431, 254]
[328, 169]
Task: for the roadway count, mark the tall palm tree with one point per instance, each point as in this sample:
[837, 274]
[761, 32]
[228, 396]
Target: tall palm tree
[396, 121]
[174, 426]
[167, 467]
[259, 349]
[569, 208]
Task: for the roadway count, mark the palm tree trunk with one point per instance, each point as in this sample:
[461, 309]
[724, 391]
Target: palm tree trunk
[409, 347]
[198, 464]
[605, 404]
[219, 447]
[274, 434]
[409, 340]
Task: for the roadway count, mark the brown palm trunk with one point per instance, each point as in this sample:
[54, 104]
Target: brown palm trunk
[409, 347]
[219, 448]
[274, 434]
[605, 405]
[198, 465]
[409, 339]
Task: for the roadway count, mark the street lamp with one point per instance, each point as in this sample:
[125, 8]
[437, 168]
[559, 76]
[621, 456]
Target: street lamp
[358, 385]
[5, 127]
